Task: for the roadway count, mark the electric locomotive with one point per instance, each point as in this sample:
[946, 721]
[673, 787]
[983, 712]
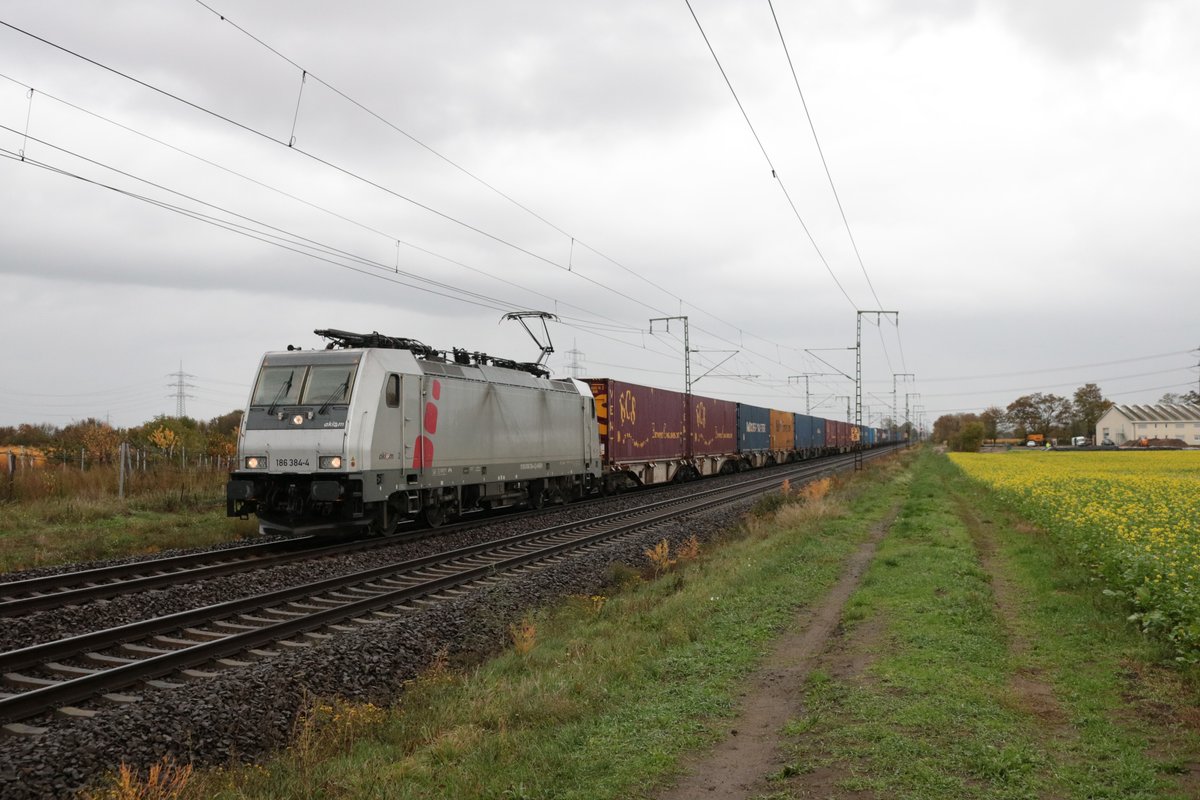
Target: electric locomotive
[375, 430]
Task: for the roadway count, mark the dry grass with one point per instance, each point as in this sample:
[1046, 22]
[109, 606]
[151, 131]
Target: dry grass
[165, 780]
[660, 557]
[102, 482]
[524, 636]
[689, 550]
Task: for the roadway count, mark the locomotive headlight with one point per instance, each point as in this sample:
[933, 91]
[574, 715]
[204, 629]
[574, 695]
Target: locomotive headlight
[331, 462]
[298, 419]
[256, 462]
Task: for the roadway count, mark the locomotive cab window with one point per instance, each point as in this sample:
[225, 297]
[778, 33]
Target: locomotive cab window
[278, 385]
[328, 384]
[393, 391]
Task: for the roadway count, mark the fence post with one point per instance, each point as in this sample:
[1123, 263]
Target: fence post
[121, 455]
[12, 474]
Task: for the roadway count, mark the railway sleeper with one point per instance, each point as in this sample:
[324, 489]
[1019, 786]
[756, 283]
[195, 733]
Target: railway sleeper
[233, 626]
[257, 621]
[21, 729]
[67, 669]
[205, 636]
[75, 712]
[284, 613]
[172, 642]
[106, 659]
[231, 663]
[29, 681]
[130, 647]
[308, 608]
[294, 645]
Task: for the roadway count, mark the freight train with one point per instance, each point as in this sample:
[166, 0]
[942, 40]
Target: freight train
[375, 430]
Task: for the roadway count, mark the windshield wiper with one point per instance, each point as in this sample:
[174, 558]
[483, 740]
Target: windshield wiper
[283, 389]
[340, 390]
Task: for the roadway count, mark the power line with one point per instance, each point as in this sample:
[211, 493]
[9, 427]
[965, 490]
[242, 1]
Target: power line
[821, 152]
[330, 165]
[774, 172]
[307, 73]
[293, 245]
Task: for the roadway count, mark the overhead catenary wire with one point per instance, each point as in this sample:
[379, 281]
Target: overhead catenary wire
[241, 126]
[330, 165]
[616, 325]
[574, 240]
[334, 167]
[774, 172]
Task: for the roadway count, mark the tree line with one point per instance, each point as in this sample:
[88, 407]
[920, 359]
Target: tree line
[92, 442]
[1048, 415]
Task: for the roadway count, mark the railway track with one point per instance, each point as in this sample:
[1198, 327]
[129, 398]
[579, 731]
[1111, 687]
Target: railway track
[77, 676]
[48, 592]
[73, 588]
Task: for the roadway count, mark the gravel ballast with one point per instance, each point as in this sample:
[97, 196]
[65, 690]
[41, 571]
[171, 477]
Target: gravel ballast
[247, 712]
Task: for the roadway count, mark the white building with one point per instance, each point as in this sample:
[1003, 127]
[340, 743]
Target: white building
[1121, 424]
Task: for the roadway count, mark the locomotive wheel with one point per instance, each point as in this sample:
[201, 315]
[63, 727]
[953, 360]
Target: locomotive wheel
[434, 516]
[393, 514]
[537, 494]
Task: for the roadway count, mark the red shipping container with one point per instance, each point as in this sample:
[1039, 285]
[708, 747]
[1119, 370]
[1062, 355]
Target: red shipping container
[638, 423]
[837, 434]
[714, 426]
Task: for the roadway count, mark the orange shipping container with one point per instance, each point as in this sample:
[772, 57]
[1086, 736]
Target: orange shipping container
[783, 430]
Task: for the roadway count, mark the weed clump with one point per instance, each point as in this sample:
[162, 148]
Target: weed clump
[660, 557]
[165, 780]
[524, 636]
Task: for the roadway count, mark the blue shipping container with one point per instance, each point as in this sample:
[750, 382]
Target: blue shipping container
[754, 429]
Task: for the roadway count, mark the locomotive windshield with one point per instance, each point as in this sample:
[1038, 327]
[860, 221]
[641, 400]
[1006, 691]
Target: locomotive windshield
[278, 385]
[328, 384]
[302, 384]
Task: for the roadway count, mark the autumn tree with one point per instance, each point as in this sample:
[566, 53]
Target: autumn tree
[951, 428]
[1039, 413]
[993, 422]
[1090, 406]
[165, 439]
[971, 437]
[96, 440]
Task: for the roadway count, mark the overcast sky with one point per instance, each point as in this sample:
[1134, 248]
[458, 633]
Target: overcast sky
[1020, 177]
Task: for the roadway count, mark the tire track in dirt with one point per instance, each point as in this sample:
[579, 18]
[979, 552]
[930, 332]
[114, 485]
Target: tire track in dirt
[1035, 696]
[1030, 691]
[739, 765]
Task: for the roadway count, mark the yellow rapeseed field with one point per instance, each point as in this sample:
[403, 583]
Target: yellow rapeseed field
[1132, 517]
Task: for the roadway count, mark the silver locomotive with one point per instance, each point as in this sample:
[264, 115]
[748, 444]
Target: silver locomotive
[375, 430]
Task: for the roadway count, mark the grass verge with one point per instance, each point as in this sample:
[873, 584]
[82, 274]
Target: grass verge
[985, 664]
[600, 696]
[49, 531]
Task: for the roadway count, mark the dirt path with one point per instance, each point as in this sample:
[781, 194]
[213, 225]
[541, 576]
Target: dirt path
[739, 765]
[1030, 690]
